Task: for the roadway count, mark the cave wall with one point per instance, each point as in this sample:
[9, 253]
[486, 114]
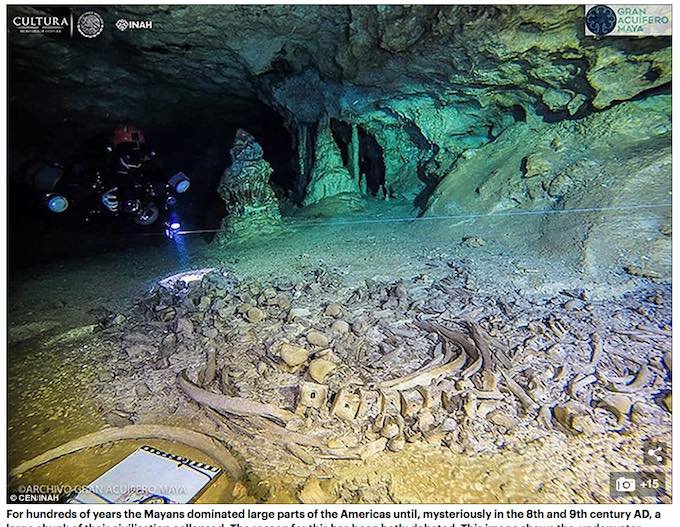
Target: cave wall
[435, 85]
[605, 181]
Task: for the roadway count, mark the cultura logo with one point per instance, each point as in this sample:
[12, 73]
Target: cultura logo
[90, 24]
[41, 24]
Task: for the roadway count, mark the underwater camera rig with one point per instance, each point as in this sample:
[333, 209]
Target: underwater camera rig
[144, 201]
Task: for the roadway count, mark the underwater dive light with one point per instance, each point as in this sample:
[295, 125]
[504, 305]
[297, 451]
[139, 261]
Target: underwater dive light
[172, 229]
[180, 182]
[172, 225]
[56, 203]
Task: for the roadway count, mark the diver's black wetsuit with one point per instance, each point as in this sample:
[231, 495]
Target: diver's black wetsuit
[133, 166]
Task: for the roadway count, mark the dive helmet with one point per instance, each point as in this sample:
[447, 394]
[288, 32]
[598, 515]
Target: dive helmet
[127, 133]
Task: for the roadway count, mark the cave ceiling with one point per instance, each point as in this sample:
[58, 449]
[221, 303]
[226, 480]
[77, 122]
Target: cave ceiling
[311, 60]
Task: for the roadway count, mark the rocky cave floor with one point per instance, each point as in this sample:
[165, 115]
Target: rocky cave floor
[533, 383]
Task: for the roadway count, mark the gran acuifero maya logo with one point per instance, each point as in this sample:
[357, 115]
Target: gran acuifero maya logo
[628, 20]
[64, 21]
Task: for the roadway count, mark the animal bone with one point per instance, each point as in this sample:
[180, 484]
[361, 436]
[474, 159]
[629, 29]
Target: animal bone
[424, 376]
[396, 444]
[362, 452]
[503, 420]
[389, 402]
[284, 434]
[197, 440]
[487, 360]
[473, 368]
[557, 328]
[448, 333]
[489, 396]
[346, 405]
[642, 379]
[561, 372]
[596, 343]
[579, 382]
[470, 405]
[617, 404]
[300, 453]
[390, 429]
[481, 341]
[312, 395]
[489, 381]
[668, 360]
[293, 355]
[319, 369]
[411, 402]
[654, 331]
[208, 373]
[232, 405]
[485, 407]
[426, 394]
[426, 421]
[525, 400]
[545, 416]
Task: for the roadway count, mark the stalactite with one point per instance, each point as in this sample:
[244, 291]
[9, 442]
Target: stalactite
[354, 153]
[303, 131]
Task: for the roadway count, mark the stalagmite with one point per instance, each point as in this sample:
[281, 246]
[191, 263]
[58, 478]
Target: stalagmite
[252, 206]
[329, 175]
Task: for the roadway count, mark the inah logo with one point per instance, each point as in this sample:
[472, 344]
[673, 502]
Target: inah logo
[90, 24]
[601, 20]
[123, 24]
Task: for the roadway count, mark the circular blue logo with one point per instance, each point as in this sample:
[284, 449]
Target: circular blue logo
[601, 20]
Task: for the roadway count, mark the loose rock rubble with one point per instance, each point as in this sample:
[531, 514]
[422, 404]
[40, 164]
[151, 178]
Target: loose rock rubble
[298, 374]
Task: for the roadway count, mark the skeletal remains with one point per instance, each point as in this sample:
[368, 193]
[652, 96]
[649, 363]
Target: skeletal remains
[333, 371]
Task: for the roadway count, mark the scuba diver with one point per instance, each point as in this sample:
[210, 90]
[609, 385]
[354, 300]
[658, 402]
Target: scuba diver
[131, 160]
[130, 184]
[137, 179]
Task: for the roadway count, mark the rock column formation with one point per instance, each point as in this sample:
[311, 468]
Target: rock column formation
[329, 175]
[252, 206]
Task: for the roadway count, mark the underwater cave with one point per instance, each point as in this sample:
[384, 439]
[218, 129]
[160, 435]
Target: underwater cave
[342, 253]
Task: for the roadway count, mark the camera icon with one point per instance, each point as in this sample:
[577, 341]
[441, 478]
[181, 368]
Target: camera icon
[637, 484]
[626, 485]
